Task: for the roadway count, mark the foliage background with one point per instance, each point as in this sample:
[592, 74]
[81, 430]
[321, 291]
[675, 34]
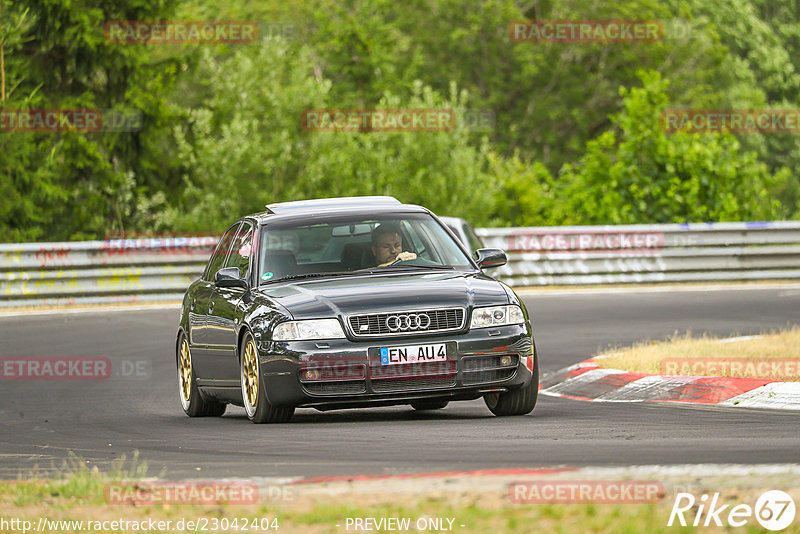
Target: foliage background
[576, 141]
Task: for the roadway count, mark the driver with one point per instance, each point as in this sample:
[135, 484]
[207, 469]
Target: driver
[387, 245]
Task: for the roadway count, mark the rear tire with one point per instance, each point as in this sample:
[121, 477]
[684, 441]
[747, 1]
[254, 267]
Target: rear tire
[254, 394]
[192, 402]
[422, 405]
[519, 401]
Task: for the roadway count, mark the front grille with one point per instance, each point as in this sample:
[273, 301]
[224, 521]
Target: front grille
[409, 384]
[494, 375]
[375, 324]
[413, 370]
[332, 388]
[484, 369]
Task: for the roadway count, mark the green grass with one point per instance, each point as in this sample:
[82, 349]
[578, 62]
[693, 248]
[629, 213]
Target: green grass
[677, 354]
[78, 494]
[76, 483]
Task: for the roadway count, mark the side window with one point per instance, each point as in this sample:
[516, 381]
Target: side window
[458, 235]
[474, 241]
[422, 241]
[218, 258]
[415, 245]
[242, 250]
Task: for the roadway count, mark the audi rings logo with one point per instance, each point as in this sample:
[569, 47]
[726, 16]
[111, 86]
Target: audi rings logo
[404, 323]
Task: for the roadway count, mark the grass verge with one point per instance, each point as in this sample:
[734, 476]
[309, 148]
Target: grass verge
[75, 502]
[774, 355]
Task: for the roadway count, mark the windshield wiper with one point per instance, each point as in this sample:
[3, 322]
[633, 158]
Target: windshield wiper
[310, 275]
[418, 266]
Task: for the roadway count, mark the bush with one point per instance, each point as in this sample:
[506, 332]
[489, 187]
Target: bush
[643, 175]
[243, 146]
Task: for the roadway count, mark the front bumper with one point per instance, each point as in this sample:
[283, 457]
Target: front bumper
[344, 373]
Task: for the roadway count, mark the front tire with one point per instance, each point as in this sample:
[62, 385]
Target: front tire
[519, 401]
[192, 403]
[254, 395]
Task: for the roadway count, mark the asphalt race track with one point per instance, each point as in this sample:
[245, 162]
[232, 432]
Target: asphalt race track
[137, 408]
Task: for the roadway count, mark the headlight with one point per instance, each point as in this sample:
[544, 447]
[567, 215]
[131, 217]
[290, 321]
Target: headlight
[311, 329]
[496, 316]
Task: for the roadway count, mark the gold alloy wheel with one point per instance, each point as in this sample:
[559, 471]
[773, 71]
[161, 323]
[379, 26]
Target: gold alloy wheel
[250, 374]
[185, 370]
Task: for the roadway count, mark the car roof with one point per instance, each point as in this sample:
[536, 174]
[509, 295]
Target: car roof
[455, 221]
[332, 206]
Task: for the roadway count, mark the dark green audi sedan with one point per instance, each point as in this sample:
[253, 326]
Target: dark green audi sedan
[350, 303]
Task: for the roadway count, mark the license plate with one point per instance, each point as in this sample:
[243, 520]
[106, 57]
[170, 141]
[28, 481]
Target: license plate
[434, 352]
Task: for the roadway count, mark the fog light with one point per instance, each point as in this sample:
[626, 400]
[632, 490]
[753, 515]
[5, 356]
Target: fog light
[505, 360]
[311, 375]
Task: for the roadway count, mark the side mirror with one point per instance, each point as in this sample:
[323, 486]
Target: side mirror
[230, 277]
[491, 257]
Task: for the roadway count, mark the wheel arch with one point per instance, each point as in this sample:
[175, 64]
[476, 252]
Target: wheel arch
[181, 332]
[244, 329]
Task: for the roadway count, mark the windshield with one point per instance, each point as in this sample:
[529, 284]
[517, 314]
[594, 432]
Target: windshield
[346, 244]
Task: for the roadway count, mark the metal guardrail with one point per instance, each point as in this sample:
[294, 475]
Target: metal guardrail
[111, 271]
[154, 269]
[575, 255]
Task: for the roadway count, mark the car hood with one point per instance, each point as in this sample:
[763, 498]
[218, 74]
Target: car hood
[342, 296]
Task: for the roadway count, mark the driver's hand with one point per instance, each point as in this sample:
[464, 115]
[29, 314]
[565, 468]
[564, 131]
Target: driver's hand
[406, 256]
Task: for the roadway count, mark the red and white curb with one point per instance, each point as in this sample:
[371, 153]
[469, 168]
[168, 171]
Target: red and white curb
[515, 471]
[678, 476]
[589, 381]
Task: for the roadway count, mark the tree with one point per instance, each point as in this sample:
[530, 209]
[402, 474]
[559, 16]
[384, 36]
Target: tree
[75, 185]
[241, 153]
[644, 175]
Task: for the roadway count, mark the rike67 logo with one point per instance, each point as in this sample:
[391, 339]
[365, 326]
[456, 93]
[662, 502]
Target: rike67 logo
[774, 510]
